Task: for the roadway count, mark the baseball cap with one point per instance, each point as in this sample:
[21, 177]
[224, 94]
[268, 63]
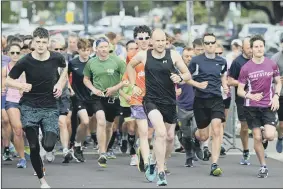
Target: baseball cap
[237, 41]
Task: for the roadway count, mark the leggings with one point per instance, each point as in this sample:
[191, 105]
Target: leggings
[48, 142]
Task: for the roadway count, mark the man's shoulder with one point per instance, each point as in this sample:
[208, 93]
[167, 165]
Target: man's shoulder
[198, 58]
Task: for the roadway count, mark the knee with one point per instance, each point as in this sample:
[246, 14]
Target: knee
[244, 128]
[143, 133]
[170, 137]
[203, 137]
[269, 137]
[216, 133]
[160, 133]
[85, 122]
[257, 138]
[101, 122]
[18, 132]
[5, 121]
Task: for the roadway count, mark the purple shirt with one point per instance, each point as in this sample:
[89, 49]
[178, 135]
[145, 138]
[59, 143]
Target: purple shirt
[259, 78]
[5, 60]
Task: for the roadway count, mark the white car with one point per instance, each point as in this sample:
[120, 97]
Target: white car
[252, 29]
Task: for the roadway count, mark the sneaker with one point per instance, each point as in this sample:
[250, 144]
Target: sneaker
[245, 159]
[150, 172]
[279, 145]
[189, 162]
[206, 154]
[197, 149]
[215, 170]
[179, 149]
[161, 179]
[222, 151]
[78, 154]
[50, 156]
[110, 154]
[95, 146]
[44, 172]
[68, 157]
[124, 146]
[134, 160]
[22, 163]
[102, 161]
[166, 170]
[263, 172]
[45, 185]
[7, 156]
[140, 166]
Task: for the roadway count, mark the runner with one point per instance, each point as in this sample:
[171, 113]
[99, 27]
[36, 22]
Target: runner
[82, 101]
[186, 118]
[209, 71]
[198, 46]
[261, 99]
[278, 58]
[160, 98]
[106, 71]
[233, 76]
[38, 105]
[12, 104]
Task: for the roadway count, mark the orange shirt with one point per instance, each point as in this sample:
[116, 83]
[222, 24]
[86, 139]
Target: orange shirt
[140, 81]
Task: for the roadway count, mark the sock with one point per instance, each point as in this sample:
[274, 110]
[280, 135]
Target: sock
[65, 150]
[93, 136]
[112, 140]
[264, 166]
[131, 139]
[124, 136]
[6, 149]
[78, 144]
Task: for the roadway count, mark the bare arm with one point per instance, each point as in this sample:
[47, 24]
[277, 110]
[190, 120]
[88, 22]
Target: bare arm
[88, 83]
[182, 67]
[224, 80]
[241, 90]
[278, 84]
[232, 81]
[4, 77]
[136, 60]
[63, 77]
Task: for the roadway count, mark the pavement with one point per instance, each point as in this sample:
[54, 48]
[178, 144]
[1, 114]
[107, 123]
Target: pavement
[119, 174]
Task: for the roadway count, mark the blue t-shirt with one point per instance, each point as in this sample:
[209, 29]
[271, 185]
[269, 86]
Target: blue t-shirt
[211, 70]
[186, 99]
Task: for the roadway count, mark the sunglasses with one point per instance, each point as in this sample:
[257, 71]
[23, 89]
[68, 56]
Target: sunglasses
[209, 42]
[58, 49]
[18, 53]
[219, 53]
[143, 38]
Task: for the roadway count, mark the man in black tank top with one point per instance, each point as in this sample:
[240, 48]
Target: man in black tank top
[160, 99]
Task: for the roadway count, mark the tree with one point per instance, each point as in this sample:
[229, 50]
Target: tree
[6, 12]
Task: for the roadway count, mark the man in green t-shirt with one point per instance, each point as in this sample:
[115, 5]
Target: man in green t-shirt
[106, 71]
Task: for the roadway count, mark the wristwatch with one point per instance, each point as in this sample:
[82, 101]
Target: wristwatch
[181, 78]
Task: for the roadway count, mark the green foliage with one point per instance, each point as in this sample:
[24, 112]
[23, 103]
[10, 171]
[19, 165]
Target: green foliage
[6, 12]
[113, 7]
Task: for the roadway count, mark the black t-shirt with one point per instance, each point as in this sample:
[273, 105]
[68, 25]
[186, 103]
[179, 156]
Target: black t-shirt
[211, 70]
[235, 68]
[76, 67]
[42, 75]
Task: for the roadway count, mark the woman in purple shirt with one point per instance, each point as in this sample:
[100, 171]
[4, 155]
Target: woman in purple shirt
[261, 98]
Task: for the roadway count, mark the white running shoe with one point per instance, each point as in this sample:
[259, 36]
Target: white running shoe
[134, 160]
[45, 185]
[50, 156]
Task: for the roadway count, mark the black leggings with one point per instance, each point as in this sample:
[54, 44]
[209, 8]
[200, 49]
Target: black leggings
[48, 142]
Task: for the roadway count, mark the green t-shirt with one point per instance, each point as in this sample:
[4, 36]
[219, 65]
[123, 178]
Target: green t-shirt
[123, 101]
[106, 73]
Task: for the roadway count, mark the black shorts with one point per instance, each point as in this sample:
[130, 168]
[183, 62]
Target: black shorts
[240, 109]
[257, 117]
[81, 105]
[280, 111]
[125, 112]
[64, 105]
[169, 112]
[110, 106]
[227, 102]
[206, 109]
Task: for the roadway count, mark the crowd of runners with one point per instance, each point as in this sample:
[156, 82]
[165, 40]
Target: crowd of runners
[147, 93]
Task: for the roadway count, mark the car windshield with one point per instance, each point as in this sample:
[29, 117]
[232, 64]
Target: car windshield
[257, 30]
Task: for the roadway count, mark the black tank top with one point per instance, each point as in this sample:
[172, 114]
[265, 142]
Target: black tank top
[159, 87]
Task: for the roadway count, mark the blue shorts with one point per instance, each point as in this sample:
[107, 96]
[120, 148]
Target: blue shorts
[9, 105]
[3, 100]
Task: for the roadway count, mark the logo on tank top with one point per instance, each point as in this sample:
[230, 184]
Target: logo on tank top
[141, 74]
[110, 71]
[164, 62]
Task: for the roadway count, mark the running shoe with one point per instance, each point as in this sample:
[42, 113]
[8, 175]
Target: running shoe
[166, 170]
[222, 151]
[150, 172]
[134, 160]
[161, 179]
[22, 163]
[197, 149]
[110, 154]
[45, 185]
[7, 156]
[206, 154]
[279, 145]
[102, 161]
[140, 160]
[189, 162]
[68, 157]
[263, 172]
[215, 170]
[78, 154]
[245, 159]
[50, 156]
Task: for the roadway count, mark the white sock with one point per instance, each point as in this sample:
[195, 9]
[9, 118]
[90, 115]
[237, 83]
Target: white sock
[78, 144]
[65, 150]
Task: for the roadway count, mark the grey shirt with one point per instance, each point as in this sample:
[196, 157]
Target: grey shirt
[278, 59]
